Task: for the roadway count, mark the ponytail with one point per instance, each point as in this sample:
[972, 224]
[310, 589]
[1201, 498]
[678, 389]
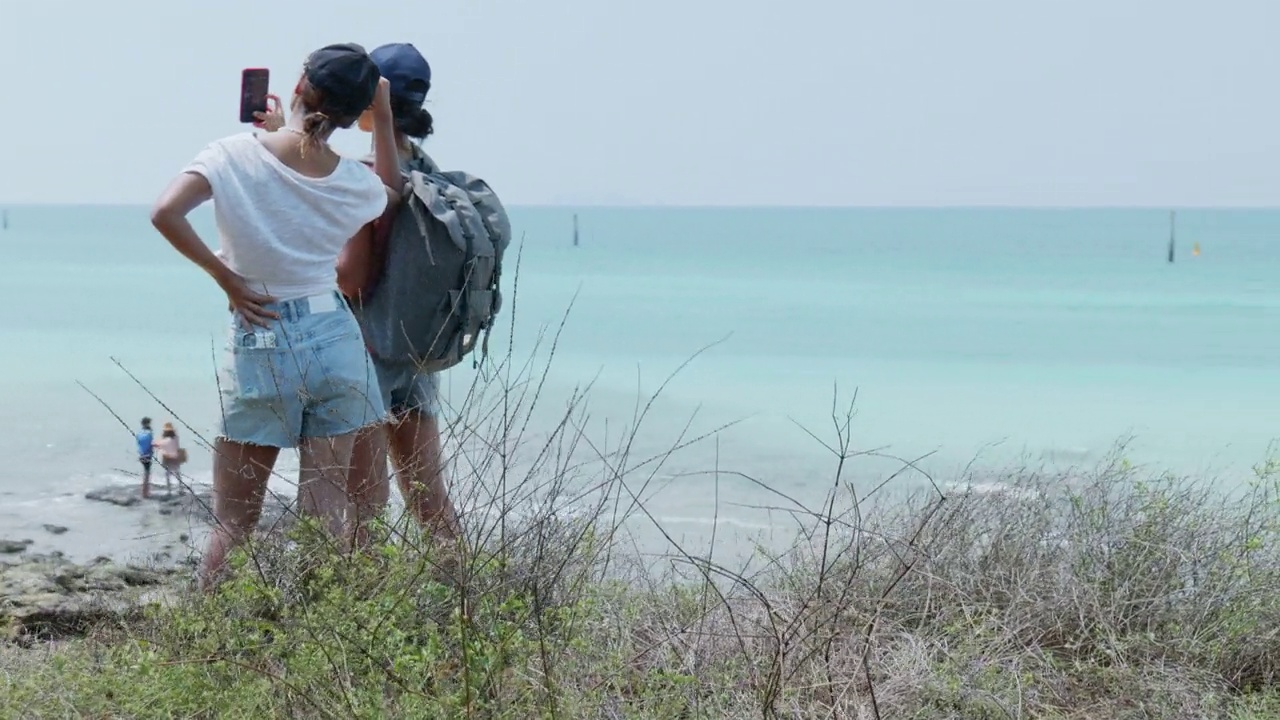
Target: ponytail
[412, 120]
[316, 126]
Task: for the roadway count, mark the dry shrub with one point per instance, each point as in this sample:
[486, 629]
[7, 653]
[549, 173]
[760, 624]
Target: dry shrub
[1098, 592]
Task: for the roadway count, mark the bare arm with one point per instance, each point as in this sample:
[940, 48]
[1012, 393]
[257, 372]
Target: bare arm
[360, 262]
[169, 215]
[386, 156]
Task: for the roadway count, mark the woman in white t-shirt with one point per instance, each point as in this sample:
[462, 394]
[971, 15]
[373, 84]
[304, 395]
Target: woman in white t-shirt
[295, 371]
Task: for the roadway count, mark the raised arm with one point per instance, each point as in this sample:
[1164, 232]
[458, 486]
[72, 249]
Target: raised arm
[360, 262]
[386, 155]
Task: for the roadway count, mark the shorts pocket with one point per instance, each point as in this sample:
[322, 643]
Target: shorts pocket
[345, 360]
[249, 372]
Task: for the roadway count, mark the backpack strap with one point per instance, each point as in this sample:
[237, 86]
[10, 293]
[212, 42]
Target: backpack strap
[421, 160]
[417, 185]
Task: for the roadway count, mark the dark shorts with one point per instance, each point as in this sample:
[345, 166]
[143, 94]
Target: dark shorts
[405, 388]
[146, 462]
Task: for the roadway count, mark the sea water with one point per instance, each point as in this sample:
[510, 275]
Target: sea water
[971, 337]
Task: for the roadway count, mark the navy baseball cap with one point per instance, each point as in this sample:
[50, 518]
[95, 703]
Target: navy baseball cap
[346, 77]
[405, 69]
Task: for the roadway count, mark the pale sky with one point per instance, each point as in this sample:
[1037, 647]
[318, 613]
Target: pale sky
[693, 102]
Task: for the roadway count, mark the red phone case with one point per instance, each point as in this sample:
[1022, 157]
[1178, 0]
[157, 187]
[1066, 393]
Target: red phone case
[254, 87]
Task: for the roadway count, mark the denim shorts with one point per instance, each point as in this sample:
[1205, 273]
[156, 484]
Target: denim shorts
[307, 375]
[406, 388]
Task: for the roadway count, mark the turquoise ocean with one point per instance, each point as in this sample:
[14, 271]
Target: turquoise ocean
[983, 336]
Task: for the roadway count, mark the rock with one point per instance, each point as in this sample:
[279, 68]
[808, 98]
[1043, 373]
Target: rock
[13, 546]
[102, 578]
[137, 576]
[55, 529]
[24, 580]
[50, 558]
[52, 597]
[68, 578]
[276, 511]
[124, 496]
[196, 504]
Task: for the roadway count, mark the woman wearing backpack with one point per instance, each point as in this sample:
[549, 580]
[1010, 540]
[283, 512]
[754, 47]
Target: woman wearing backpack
[411, 395]
[295, 372]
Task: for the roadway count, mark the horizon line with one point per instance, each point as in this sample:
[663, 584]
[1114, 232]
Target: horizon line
[743, 206]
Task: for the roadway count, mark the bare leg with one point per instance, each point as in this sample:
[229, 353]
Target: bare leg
[322, 480]
[415, 448]
[368, 485]
[146, 479]
[240, 474]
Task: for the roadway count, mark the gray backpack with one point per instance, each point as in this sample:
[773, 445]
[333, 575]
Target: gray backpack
[439, 287]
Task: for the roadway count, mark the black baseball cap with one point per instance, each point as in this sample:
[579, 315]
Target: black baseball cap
[346, 77]
[405, 70]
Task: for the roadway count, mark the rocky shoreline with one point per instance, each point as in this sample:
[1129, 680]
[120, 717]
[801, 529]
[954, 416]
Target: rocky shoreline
[196, 504]
[46, 596]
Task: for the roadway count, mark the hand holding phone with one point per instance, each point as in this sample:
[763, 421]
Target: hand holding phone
[273, 119]
[254, 85]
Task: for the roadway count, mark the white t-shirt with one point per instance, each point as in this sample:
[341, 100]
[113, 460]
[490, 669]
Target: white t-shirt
[281, 230]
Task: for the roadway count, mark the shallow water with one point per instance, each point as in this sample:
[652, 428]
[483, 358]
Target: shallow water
[1037, 335]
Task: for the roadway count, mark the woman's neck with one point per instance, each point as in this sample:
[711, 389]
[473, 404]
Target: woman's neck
[404, 145]
[297, 124]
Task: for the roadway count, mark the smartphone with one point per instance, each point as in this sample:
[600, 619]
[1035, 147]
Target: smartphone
[254, 85]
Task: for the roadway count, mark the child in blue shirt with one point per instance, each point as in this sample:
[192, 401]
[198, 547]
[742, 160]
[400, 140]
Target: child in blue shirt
[146, 449]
